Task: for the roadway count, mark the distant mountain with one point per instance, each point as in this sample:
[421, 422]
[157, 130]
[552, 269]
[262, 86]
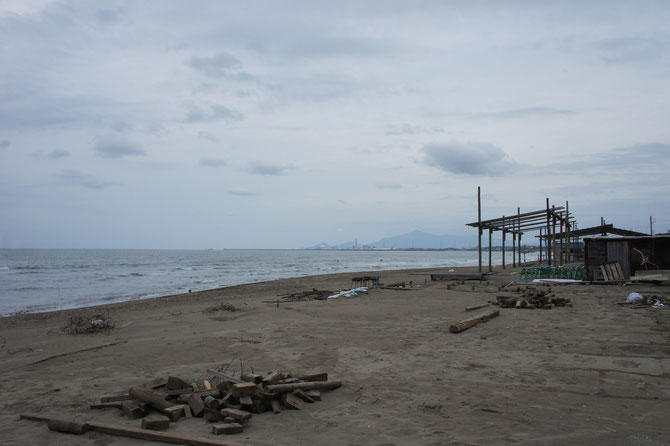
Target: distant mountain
[411, 240]
[424, 240]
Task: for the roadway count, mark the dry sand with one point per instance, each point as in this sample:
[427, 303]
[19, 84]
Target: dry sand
[595, 374]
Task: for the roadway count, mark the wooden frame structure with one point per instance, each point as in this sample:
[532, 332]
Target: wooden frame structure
[546, 219]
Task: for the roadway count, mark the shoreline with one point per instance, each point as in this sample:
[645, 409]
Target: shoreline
[226, 289]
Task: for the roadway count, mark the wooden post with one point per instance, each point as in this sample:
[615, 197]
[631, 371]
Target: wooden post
[561, 246]
[503, 242]
[490, 249]
[518, 217]
[651, 226]
[547, 233]
[540, 246]
[553, 233]
[479, 225]
[567, 233]
[513, 244]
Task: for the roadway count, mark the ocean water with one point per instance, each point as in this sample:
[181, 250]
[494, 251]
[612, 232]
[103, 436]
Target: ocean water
[37, 280]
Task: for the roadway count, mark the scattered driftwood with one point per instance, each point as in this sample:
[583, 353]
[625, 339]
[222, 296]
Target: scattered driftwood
[223, 306]
[85, 322]
[531, 299]
[467, 323]
[477, 307]
[458, 276]
[216, 396]
[312, 294]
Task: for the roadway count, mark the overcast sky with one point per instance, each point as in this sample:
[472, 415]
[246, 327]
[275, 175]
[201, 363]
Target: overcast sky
[227, 124]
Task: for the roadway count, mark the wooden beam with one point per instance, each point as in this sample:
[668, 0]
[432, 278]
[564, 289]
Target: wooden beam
[132, 432]
[471, 322]
[285, 388]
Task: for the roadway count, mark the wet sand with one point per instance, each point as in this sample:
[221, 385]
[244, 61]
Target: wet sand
[596, 373]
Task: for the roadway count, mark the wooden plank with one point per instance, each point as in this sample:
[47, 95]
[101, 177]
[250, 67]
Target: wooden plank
[276, 407]
[112, 398]
[133, 410]
[291, 401]
[604, 271]
[240, 415]
[619, 271]
[467, 323]
[286, 388]
[135, 433]
[314, 394]
[196, 404]
[114, 404]
[303, 396]
[227, 428]
[150, 397]
[272, 378]
[244, 389]
[156, 423]
[477, 307]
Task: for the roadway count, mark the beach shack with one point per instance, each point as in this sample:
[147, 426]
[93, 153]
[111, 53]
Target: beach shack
[640, 253]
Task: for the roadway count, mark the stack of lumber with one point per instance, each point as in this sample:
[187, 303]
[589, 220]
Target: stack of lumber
[612, 271]
[226, 401]
[531, 299]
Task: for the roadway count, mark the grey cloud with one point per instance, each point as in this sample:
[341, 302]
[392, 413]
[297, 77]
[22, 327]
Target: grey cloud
[264, 168]
[633, 49]
[216, 66]
[242, 192]
[472, 158]
[527, 112]
[640, 157]
[54, 154]
[212, 162]
[195, 113]
[208, 136]
[4, 143]
[39, 110]
[115, 147]
[107, 16]
[389, 186]
[76, 178]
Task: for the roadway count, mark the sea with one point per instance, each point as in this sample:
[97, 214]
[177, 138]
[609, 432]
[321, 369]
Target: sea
[41, 280]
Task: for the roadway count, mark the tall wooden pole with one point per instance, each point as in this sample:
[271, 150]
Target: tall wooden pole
[540, 246]
[479, 226]
[518, 217]
[547, 233]
[503, 242]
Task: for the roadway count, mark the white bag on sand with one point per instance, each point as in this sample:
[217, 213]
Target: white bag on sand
[634, 297]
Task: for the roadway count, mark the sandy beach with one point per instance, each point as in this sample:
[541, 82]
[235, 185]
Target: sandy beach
[595, 373]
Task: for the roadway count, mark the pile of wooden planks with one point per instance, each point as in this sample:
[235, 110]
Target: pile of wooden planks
[531, 299]
[226, 401]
